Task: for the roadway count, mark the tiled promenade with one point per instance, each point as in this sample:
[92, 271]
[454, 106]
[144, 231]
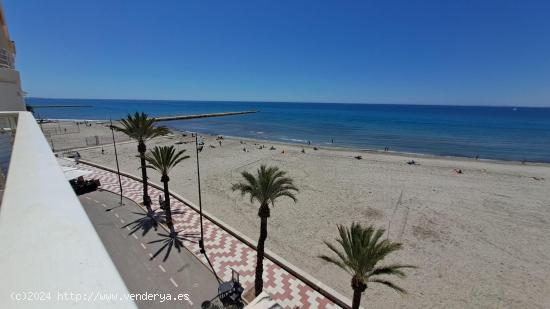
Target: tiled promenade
[224, 250]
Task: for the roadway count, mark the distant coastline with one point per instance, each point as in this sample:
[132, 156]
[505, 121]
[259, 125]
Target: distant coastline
[60, 106]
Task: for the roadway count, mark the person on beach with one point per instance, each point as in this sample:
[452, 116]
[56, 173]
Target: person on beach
[220, 142]
[102, 150]
[77, 157]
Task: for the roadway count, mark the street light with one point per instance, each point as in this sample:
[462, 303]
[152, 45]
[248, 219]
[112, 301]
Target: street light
[116, 159]
[198, 148]
[229, 292]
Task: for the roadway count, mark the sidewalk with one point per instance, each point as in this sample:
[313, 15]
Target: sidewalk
[224, 250]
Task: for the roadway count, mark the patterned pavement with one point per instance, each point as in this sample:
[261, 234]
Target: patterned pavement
[224, 250]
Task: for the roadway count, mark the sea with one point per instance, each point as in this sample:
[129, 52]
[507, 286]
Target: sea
[499, 133]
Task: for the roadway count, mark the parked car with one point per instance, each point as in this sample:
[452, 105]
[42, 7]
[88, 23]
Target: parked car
[81, 186]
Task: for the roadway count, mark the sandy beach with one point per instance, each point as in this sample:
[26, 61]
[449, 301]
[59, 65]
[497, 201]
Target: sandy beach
[479, 238]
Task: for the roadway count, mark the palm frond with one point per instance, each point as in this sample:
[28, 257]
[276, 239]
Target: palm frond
[390, 285]
[394, 269]
[164, 158]
[342, 258]
[140, 127]
[334, 261]
[360, 250]
[266, 186]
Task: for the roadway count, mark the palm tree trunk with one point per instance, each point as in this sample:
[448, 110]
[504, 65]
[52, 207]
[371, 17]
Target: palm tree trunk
[259, 283]
[146, 199]
[356, 298]
[167, 209]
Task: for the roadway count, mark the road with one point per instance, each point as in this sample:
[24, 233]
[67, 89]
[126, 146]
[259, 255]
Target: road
[181, 273]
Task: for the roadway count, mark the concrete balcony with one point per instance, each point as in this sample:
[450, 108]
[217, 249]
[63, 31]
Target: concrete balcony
[48, 245]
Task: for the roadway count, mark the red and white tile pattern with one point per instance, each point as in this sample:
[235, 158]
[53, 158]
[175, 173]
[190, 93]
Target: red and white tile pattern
[225, 251]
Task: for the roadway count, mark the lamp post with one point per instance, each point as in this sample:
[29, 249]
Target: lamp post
[198, 148]
[116, 159]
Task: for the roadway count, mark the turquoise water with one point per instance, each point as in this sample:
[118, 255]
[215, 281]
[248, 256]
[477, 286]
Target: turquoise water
[504, 133]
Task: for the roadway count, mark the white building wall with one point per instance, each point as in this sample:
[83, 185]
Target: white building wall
[11, 95]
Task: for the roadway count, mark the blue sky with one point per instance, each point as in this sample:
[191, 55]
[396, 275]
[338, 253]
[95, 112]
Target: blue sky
[427, 52]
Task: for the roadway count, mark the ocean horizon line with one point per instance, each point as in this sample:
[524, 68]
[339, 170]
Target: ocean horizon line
[293, 102]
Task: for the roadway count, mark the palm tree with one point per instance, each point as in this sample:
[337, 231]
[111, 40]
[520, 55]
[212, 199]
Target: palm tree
[163, 159]
[140, 128]
[362, 250]
[266, 187]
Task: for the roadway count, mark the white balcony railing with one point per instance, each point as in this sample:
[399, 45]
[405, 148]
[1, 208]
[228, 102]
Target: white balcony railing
[47, 243]
[6, 59]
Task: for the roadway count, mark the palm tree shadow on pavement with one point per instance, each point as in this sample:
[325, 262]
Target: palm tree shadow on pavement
[146, 222]
[173, 240]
